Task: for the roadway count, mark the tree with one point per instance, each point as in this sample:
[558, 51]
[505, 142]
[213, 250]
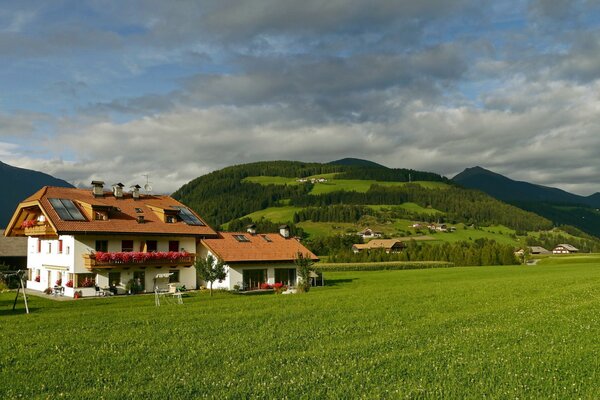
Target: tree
[305, 267]
[210, 269]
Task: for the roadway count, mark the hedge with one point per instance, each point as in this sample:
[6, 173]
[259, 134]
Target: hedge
[381, 266]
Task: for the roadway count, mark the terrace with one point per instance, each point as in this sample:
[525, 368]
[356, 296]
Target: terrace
[107, 260]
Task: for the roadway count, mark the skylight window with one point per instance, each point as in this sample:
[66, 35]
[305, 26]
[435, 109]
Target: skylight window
[266, 238]
[138, 210]
[241, 238]
[66, 210]
[188, 217]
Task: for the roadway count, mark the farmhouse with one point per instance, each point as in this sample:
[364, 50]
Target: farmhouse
[86, 240]
[389, 245]
[565, 249]
[13, 251]
[253, 259]
[538, 250]
[369, 233]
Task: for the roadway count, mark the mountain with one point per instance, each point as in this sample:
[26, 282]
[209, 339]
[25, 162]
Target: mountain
[559, 206]
[356, 162]
[506, 189]
[237, 191]
[18, 184]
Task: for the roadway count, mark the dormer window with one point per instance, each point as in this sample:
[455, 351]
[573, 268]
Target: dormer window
[171, 219]
[138, 210]
[100, 216]
[241, 238]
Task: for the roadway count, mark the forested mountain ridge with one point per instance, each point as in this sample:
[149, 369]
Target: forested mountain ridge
[223, 195]
[559, 206]
[18, 184]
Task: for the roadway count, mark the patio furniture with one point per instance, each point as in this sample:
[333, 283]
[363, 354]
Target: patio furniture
[99, 292]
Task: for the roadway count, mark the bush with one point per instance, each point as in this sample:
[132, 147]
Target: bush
[381, 266]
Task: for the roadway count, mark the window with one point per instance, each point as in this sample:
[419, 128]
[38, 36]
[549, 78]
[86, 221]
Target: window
[39, 245]
[85, 280]
[266, 238]
[171, 219]
[114, 278]
[49, 247]
[66, 210]
[174, 277]
[173, 245]
[286, 276]
[126, 245]
[241, 238]
[138, 210]
[100, 216]
[188, 217]
[60, 246]
[101, 245]
[151, 245]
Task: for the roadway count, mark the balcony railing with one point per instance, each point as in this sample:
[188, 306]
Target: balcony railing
[138, 259]
[39, 230]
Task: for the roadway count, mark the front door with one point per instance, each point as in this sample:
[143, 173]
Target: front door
[253, 278]
[139, 277]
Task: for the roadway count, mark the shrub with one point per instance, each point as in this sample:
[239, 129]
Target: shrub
[381, 266]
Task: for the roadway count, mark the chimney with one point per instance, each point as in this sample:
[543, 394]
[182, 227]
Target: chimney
[284, 231]
[251, 229]
[118, 190]
[135, 192]
[98, 188]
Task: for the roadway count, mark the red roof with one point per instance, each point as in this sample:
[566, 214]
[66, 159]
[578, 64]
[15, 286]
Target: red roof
[257, 248]
[122, 218]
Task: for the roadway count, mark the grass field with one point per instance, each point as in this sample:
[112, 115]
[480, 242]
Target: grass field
[334, 185]
[493, 332]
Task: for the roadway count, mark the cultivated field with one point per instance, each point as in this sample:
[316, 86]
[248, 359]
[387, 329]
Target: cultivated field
[493, 332]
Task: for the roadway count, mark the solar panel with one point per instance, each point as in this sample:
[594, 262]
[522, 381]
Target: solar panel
[66, 210]
[188, 217]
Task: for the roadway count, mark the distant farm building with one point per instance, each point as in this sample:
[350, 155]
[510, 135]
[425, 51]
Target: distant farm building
[388, 245]
[369, 233]
[565, 249]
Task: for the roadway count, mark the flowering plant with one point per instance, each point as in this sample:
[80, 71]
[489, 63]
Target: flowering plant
[37, 278]
[266, 286]
[87, 282]
[29, 223]
[58, 282]
[279, 287]
[69, 283]
[127, 257]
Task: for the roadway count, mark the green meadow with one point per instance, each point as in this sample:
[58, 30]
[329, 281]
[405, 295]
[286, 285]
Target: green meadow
[334, 185]
[478, 332]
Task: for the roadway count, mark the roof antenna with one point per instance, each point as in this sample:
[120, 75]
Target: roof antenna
[147, 186]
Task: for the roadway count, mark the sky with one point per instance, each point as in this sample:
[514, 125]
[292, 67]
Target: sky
[116, 90]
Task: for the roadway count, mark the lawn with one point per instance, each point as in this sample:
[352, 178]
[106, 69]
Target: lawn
[493, 332]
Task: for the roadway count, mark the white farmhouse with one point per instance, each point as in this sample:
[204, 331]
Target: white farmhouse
[92, 240]
[253, 259]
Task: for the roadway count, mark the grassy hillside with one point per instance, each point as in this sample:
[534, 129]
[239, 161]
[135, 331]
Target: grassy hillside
[493, 332]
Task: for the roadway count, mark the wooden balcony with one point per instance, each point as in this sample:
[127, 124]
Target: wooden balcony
[90, 262]
[40, 230]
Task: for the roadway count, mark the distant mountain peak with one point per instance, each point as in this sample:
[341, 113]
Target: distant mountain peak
[356, 161]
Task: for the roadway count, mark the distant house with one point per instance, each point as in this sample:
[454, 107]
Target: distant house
[438, 227]
[538, 250]
[389, 245]
[565, 249]
[13, 251]
[369, 233]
